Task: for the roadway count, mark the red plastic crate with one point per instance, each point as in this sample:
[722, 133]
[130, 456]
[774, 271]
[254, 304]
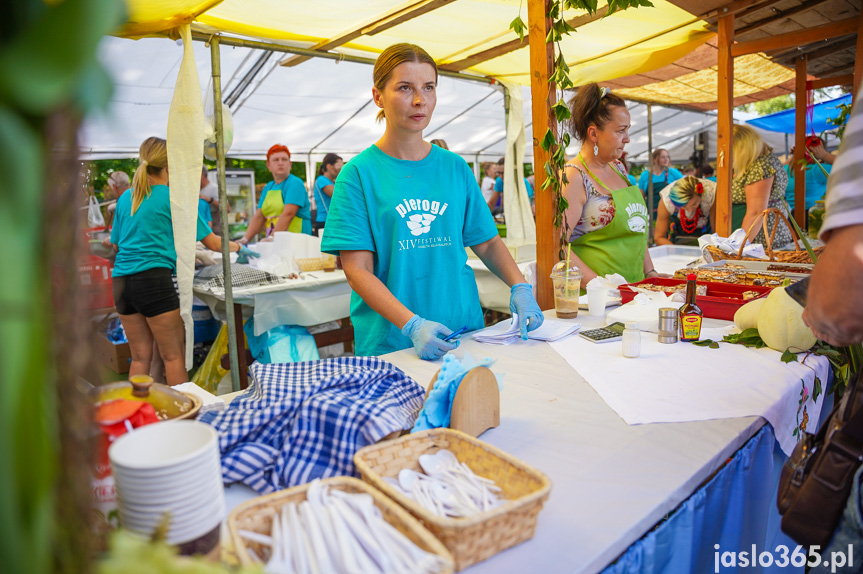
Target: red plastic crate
[721, 302]
[95, 275]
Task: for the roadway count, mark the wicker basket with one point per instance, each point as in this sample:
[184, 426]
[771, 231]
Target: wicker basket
[257, 515]
[323, 263]
[475, 538]
[796, 256]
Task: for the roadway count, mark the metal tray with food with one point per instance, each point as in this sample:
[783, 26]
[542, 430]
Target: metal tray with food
[793, 271]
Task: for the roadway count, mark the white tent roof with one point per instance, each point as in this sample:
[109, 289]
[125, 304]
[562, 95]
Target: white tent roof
[325, 106]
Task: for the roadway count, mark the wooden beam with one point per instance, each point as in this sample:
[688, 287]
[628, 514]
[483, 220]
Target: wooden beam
[543, 96]
[809, 5]
[724, 125]
[797, 38]
[514, 45]
[843, 80]
[798, 167]
[827, 49]
[736, 8]
[389, 20]
[858, 62]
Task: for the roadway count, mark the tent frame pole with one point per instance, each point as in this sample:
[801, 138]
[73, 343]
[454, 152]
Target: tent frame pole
[650, 174]
[798, 168]
[234, 335]
[724, 126]
[543, 96]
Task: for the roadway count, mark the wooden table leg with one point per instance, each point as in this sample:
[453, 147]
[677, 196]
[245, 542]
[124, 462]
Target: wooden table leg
[240, 337]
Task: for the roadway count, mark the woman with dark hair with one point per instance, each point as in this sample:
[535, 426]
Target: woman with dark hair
[662, 173]
[401, 218]
[607, 218]
[327, 174]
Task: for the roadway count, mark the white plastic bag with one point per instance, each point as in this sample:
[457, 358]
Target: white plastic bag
[94, 214]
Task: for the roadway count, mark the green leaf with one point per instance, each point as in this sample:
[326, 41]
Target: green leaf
[519, 27]
[548, 141]
[706, 343]
[816, 389]
[788, 357]
[561, 111]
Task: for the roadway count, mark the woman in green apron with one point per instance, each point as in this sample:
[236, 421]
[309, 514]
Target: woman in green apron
[607, 219]
[284, 204]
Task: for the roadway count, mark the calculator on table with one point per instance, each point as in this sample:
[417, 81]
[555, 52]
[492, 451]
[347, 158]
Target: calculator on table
[613, 332]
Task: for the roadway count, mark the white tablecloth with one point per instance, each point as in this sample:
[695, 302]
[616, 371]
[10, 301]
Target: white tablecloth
[612, 482]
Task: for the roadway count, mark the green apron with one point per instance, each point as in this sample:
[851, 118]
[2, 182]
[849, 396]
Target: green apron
[619, 246]
[738, 212]
[272, 209]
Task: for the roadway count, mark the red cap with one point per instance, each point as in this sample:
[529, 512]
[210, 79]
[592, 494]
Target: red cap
[277, 148]
[690, 277]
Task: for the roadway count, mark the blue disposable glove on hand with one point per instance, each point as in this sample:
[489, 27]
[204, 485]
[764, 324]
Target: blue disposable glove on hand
[427, 337]
[244, 254]
[522, 303]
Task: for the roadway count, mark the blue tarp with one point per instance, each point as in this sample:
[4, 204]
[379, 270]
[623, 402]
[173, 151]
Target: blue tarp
[784, 121]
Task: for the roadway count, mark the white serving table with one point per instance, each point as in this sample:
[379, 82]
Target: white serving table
[611, 482]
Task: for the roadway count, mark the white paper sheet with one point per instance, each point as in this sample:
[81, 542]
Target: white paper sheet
[682, 382]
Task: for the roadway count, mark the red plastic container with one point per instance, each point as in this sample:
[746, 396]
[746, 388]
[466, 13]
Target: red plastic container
[95, 275]
[721, 302]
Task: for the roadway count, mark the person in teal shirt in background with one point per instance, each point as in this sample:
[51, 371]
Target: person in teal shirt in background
[663, 174]
[708, 173]
[204, 212]
[327, 174]
[284, 204]
[816, 181]
[143, 286]
[402, 214]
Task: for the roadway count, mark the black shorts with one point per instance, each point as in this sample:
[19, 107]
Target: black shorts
[150, 293]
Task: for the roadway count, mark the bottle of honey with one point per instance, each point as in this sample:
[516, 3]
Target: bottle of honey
[690, 313]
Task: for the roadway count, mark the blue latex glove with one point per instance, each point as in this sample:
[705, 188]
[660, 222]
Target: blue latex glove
[244, 254]
[522, 303]
[427, 337]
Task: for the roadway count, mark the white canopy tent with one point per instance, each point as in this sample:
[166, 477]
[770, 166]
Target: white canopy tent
[325, 106]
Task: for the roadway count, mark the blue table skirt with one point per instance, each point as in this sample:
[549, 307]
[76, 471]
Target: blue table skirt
[734, 510]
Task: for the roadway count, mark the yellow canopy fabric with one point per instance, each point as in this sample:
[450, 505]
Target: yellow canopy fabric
[752, 73]
[626, 42]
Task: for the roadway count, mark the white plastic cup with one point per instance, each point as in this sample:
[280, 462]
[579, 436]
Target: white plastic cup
[596, 299]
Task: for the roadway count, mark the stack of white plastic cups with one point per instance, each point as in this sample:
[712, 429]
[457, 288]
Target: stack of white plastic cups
[171, 468]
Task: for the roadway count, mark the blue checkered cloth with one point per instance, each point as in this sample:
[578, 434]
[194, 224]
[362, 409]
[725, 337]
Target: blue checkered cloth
[301, 421]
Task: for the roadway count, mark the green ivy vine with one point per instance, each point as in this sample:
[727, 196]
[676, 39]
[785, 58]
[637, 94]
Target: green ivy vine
[556, 145]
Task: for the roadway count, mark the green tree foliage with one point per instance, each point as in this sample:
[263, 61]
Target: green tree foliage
[771, 106]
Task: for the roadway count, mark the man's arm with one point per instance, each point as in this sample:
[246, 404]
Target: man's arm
[834, 311]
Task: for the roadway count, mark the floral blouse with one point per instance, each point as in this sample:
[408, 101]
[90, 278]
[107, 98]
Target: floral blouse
[598, 209]
[766, 165]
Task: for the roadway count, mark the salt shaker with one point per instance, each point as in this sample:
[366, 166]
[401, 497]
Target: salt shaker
[667, 325]
[631, 340]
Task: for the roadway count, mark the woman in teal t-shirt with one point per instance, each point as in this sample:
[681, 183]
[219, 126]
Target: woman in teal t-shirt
[327, 174]
[402, 214]
[663, 174]
[143, 284]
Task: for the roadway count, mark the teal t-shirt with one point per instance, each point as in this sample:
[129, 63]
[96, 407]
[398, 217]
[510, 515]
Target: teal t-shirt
[204, 212]
[146, 239]
[322, 199]
[659, 183]
[416, 217]
[293, 192]
[816, 184]
[498, 187]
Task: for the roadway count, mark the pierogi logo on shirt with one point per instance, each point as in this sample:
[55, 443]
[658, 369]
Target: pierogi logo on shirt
[637, 221]
[419, 216]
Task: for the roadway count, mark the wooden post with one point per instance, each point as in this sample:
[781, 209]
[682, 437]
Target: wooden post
[797, 167]
[725, 92]
[858, 62]
[543, 96]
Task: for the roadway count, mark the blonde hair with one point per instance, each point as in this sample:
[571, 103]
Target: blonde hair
[392, 57]
[154, 158]
[747, 147]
